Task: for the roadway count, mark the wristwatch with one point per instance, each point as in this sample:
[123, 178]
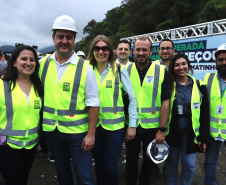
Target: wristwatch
[162, 129]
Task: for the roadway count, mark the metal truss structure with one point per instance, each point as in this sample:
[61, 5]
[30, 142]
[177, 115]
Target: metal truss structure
[198, 30]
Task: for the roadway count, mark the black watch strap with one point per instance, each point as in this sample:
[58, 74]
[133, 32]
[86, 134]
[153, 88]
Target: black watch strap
[162, 129]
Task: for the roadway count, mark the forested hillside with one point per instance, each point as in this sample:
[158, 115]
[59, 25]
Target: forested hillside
[135, 17]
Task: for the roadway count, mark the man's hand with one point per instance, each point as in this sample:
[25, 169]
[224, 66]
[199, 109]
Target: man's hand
[130, 133]
[160, 137]
[88, 142]
[203, 148]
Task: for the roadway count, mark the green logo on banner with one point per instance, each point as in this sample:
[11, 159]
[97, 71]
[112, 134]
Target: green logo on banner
[36, 104]
[66, 86]
[109, 84]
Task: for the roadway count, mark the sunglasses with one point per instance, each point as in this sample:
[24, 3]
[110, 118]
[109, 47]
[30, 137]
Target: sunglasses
[97, 48]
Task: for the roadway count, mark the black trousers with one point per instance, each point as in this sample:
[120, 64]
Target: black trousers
[15, 164]
[148, 169]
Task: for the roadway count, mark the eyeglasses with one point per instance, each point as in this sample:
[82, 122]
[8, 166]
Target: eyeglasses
[97, 48]
[163, 48]
[221, 59]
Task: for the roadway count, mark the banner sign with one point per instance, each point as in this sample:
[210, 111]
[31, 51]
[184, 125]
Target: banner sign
[200, 52]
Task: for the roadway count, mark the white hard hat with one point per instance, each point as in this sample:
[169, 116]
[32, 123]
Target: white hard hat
[64, 22]
[158, 152]
[81, 53]
[220, 49]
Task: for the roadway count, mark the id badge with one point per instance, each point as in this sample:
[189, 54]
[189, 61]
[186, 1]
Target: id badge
[180, 109]
[220, 109]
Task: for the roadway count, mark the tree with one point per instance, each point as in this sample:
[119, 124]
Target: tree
[135, 17]
[89, 26]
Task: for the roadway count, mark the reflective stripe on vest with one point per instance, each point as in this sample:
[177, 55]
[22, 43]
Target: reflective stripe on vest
[155, 90]
[129, 68]
[9, 112]
[20, 143]
[113, 121]
[74, 95]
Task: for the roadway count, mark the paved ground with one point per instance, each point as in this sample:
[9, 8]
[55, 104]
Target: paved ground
[43, 172]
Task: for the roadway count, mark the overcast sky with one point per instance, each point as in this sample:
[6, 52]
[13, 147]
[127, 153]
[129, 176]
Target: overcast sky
[30, 21]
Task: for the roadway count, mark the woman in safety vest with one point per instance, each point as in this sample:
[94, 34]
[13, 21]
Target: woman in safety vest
[110, 131]
[188, 121]
[20, 105]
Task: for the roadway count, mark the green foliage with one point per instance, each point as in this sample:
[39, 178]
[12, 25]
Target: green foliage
[89, 26]
[217, 9]
[135, 17]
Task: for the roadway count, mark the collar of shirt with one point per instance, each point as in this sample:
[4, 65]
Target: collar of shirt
[189, 84]
[166, 67]
[117, 61]
[142, 73]
[222, 83]
[105, 72]
[73, 59]
[145, 69]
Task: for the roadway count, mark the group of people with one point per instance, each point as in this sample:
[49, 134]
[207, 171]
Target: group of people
[79, 104]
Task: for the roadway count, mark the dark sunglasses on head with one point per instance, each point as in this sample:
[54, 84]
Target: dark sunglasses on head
[104, 48]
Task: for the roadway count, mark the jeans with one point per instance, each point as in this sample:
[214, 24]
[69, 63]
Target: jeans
[106, 153]
[149, 169]
[65, 146]
[210, 164]
[188, 160]
[15, 164]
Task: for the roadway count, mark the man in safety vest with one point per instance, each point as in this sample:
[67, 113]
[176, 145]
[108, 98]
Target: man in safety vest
[70, 105]
[123, 51]
[216, 85]
[151, 87]
[166, 51]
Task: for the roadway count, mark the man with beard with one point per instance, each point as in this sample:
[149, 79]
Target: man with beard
[151, 87]
[216, 85]
[70, 105]
[166, 51]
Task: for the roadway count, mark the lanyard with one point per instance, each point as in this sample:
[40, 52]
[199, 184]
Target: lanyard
[222, 93]
[183, 91]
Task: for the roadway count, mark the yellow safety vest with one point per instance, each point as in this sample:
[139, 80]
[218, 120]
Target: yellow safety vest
[196, 101]
[217, 121]
[148, 95]
[64, 101]
[111, 114]
[18, 120]
[158, 62]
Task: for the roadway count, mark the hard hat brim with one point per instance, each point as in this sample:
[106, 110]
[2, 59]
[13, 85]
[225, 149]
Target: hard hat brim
[62, 28]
